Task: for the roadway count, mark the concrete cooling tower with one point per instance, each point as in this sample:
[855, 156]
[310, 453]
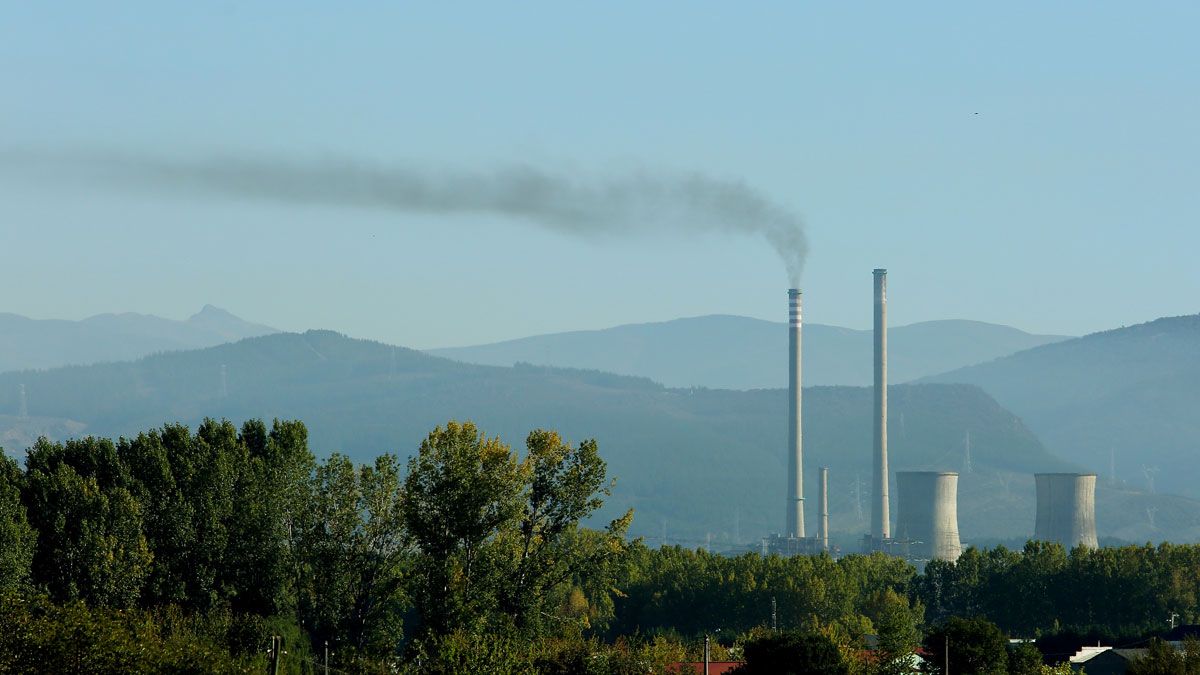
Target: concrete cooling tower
[927, 514]
[1066, 509]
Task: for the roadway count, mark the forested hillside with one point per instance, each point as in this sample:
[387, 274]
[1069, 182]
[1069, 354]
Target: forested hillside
[1128, 395]
[737, 352]
[703, 465]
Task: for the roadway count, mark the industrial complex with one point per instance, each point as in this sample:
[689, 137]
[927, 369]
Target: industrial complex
[926, 523]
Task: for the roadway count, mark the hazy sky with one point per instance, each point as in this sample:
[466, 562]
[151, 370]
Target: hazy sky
[1030, 164]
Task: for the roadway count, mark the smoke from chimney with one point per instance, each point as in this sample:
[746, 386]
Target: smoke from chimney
[556, 200]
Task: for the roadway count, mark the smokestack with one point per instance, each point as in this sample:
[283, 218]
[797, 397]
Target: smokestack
[823, 505]
[880, 517]
[795, 506]
[927, 513]
[1066, 509]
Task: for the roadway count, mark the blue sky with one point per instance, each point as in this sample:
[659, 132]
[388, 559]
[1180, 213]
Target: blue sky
[1033, 164]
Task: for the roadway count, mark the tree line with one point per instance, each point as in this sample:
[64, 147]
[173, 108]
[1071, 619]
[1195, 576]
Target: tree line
[184, 550]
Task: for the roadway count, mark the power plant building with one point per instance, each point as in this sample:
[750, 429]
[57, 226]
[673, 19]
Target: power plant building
[1066, 509]
[927, 515]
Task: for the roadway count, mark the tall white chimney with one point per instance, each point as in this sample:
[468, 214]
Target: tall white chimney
[795, 505]
[880, 516]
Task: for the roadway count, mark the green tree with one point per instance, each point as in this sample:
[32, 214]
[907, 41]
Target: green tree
[270, 496]
[1160, 659]
[37, 636]
[793, 653]
[90, 544]
[462, 488]
[1024, 659]
[355, 557]
[17, 538]
[1163, 659]
[167, 519]
[976, 647]
[897, 627]
[564, 486]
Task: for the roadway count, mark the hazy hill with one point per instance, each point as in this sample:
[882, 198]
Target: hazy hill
[700, 461]
[1132, 393]
[736, 352]
[47, 343]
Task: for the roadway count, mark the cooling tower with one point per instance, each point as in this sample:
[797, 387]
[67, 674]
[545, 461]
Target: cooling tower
[879, 507]
[795, 505]
[927, 514]
[1066, 509]
[823, 505]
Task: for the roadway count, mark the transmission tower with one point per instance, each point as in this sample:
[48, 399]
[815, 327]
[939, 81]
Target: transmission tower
[1148, 472]
[858, 508]
[967, 453]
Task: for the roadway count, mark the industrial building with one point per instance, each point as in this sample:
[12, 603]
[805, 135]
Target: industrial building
[926, 526]
[1066, 509]
[927, 514]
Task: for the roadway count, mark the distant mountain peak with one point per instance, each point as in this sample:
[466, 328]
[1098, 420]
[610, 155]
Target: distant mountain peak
[30, 344]
[212, 312]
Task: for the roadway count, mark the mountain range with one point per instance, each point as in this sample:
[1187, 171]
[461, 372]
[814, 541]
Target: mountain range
[698, 464]
[736, 352]
[1124, 403]
[27, 344]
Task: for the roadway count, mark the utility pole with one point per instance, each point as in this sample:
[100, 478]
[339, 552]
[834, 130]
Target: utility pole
[276, 648]
[947, 655]
[327, 657]
[706, 653]
[967, 453]
[858, 509]
[774, 616]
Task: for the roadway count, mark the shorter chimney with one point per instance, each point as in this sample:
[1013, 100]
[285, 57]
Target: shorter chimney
[823, 498]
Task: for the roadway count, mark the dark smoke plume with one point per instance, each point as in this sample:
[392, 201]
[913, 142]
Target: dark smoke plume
[560, 202]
